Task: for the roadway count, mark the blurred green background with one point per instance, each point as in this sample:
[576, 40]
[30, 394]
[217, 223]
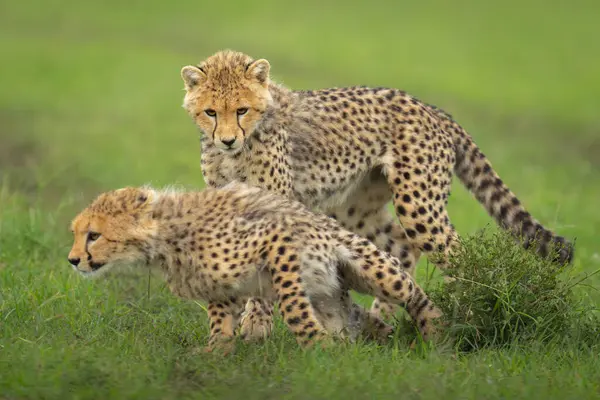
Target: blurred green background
[91, 94]
[90, 99]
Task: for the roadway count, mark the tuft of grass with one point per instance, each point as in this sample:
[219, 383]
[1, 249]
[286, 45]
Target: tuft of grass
[500, 293]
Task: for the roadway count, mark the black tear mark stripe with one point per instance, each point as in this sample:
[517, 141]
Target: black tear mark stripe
[89, 255]
[215, 129]
[240, 126]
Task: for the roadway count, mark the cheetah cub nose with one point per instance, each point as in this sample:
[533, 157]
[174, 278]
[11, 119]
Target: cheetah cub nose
[228, 142]
[74, 261]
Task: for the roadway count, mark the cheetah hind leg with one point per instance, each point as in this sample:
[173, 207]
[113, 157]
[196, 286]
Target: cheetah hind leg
[423, 213]
[368, 216]
[371, 271]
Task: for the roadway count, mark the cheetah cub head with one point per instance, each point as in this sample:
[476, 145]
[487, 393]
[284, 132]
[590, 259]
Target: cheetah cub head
[117, 228]
[226, 95]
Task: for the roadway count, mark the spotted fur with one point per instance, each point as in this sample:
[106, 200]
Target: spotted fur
[226, 245]
[348, 152]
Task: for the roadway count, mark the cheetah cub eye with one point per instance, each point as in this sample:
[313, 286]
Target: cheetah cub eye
[210, 112]
[93, 236]
[242, 111]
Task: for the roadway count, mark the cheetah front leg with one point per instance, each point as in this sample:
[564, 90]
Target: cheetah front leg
[273, 174]
[223, 317]
[257, 319]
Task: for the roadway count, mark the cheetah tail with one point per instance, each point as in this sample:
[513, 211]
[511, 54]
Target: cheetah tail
[477, 174]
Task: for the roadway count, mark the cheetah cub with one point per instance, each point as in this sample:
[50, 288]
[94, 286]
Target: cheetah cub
[348, 152]
[226, 245]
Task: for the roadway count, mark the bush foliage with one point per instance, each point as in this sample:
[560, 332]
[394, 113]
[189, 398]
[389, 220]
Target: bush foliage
[499, 294]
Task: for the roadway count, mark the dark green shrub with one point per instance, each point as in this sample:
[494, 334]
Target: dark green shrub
[502, 294]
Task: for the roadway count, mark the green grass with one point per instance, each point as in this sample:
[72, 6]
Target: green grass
[90, 100]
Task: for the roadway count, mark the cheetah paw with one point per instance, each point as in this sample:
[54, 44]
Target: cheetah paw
[255, 328]
[329, 341]
[224, 348]
[383, 334]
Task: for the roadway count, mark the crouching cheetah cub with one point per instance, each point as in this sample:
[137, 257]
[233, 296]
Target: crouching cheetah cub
[226, 245]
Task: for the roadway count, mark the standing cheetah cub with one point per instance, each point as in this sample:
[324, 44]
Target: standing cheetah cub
[225, 245]
[348, 152]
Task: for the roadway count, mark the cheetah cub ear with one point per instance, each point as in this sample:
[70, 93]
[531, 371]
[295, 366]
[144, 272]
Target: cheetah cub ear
[192, 76]
[259, 70]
